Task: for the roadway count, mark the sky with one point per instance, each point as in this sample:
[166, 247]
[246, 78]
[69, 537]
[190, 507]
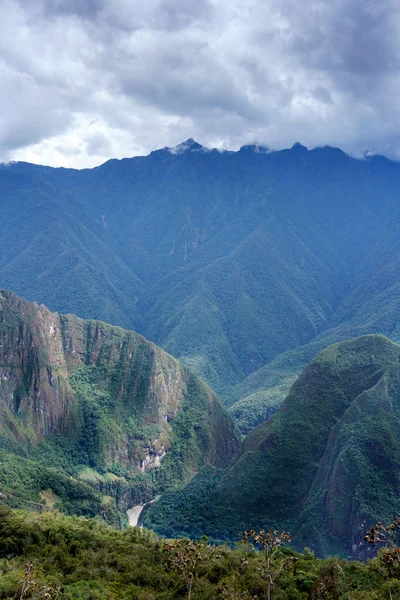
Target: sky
[82, 81]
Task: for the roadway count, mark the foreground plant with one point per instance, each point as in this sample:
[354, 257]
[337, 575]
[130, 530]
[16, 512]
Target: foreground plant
[188, 556]
[31, 588]
[387, 535]
[270, 543]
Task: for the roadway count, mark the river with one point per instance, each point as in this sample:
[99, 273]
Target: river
[135, 512]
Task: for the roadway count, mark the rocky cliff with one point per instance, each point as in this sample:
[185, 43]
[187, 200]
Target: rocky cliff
[103, 403]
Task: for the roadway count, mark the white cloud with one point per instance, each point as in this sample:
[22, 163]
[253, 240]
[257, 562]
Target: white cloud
[85, 80]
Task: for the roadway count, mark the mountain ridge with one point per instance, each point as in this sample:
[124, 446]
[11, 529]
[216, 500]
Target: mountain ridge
[225, 259]
[191, 145]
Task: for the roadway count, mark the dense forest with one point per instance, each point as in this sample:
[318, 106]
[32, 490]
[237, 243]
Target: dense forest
[326, 462]
[95, 419]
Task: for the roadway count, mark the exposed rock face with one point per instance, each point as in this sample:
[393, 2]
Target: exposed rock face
[119, 397]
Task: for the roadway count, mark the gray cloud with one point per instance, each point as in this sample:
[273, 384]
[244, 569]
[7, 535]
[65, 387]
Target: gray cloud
[81, 8]
[97, 144]
[85, 80]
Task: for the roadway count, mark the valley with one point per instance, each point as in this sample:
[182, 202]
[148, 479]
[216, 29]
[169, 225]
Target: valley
[250, 270]
[199, 315]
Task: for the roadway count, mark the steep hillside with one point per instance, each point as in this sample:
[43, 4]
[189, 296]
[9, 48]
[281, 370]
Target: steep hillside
[225, 259]
[256, 398]
[52, 252]
[324, 466]
[101, 404]
[374, 303]
[372, 306]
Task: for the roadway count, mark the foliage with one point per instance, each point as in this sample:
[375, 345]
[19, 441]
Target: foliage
[270, 543]
[87, 412]
[72, 558]
[387, 535]
[189, 557]
[31, 588]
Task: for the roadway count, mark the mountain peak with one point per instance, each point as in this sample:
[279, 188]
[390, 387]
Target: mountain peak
[189, 145]
[297, 147]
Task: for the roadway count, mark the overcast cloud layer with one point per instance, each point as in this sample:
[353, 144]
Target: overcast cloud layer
[85, 80]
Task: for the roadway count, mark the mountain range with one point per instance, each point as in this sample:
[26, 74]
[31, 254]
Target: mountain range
[250, 270]
[94, 419]
[227, 260]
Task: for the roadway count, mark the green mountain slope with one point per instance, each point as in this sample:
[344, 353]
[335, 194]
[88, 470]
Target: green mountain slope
[374, 303]
[52, 252]
[372, 306]
[323, 466]
[256, 398]
[100, 404]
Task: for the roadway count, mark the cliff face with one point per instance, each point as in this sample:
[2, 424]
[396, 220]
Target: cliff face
[117, 402]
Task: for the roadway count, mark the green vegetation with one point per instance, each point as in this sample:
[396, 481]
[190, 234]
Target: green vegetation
[30, 485]
[260, 405]
[326, 462]
[72, 558]
[243, 265]
[95, 420]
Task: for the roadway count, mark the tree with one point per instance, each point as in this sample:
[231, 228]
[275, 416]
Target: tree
[270, 543]
[328, 584]
[187, 556]
[386, 534]
[31, 587]
[227, 592]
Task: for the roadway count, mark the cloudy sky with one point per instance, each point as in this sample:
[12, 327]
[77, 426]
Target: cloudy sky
[85, 80]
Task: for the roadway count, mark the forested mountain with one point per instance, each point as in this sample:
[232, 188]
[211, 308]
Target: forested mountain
[244, 265]
[88, 412]
[225, 259]
[324, 466]
[371, 306]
